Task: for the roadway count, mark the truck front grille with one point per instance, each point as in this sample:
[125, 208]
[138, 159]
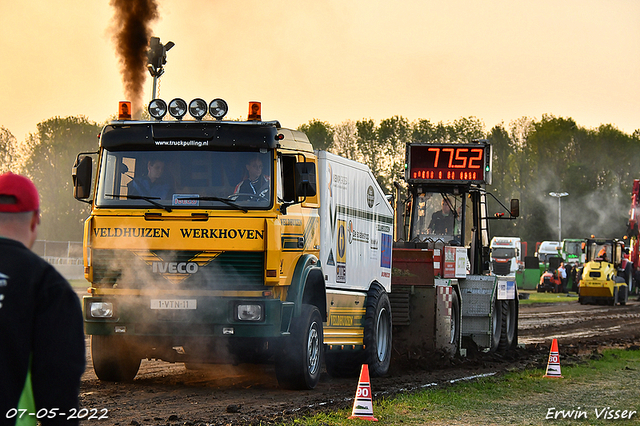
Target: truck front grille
[501, 268]
[185, 269]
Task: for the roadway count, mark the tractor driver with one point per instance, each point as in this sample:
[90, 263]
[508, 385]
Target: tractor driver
[442, 221]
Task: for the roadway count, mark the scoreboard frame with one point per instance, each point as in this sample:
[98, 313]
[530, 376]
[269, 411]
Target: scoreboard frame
[454, 163]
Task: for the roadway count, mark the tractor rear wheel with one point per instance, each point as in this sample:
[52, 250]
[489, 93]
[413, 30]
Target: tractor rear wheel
[496, 325]
[509, 325]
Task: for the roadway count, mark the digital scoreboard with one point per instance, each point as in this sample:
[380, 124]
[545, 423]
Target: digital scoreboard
[449, 163]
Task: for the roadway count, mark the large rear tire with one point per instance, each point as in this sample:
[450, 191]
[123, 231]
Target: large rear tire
[496, 325]
[300, 361]
[454, 339]
[114, 359]
[509, 325]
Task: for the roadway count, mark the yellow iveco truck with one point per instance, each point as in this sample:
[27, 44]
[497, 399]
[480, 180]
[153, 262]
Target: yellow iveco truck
[214, 241]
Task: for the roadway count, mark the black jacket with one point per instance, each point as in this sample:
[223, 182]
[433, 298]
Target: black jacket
[41, 321]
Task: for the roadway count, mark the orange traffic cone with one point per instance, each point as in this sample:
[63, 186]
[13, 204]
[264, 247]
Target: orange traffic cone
[363, 402]
[553, 366]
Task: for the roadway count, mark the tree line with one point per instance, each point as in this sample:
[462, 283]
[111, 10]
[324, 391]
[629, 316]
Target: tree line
[531, 158]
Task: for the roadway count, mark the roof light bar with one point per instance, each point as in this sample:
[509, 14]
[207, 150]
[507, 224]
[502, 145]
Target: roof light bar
[178, 108]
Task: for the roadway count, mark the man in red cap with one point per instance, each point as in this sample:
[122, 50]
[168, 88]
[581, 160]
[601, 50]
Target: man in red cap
[42, 349]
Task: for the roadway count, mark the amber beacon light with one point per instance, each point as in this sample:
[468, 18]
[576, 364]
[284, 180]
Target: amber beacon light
[124, 110]
[255, 111]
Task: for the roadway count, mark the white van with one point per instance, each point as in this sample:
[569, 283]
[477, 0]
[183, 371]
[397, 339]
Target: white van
[506, 254]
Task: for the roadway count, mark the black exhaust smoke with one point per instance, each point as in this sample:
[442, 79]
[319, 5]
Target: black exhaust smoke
[132, 30]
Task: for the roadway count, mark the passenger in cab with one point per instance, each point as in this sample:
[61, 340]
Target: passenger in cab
[255, 185]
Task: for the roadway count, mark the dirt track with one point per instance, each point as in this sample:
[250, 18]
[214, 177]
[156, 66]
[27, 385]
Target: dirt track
[165, 393]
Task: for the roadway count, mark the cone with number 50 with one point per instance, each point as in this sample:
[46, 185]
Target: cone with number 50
[363, 402]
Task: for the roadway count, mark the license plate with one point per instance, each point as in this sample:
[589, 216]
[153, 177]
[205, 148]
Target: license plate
[174, 304]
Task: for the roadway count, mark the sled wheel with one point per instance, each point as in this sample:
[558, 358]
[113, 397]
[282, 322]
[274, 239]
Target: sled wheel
[113, 359]
[298, 366]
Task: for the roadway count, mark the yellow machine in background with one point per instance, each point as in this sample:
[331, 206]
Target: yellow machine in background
[602, 277]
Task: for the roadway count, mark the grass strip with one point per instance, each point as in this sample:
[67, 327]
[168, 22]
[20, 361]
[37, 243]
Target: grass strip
[600, 391]
[535, 297]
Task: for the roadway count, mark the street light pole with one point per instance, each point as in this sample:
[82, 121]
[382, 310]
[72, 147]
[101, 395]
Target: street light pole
[559, 195]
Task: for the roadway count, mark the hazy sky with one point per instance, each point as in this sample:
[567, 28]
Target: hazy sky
[336, 60]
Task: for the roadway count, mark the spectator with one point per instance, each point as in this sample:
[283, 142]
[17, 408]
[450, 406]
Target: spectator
[42, 346]
[562, 274]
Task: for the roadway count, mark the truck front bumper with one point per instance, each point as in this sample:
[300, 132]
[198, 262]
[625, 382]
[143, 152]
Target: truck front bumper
[187, 316]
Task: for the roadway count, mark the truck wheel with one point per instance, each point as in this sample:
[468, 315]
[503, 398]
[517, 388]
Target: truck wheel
[377, 341]
[113, 359]
[298, 366]
[377, 331]
[496, 325]
[509, 325]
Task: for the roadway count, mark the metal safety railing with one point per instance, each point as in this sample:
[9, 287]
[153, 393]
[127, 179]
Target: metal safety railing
[59, 252]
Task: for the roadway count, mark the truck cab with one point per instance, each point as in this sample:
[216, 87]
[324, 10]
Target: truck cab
[506, 255]
[213, 241]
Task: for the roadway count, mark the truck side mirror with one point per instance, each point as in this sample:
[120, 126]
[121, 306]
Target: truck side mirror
[81, 174]
[515, 207]
[305, 179]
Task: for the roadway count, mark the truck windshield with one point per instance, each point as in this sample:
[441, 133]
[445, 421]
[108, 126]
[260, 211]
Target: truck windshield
[600, 252]
[573, 248]
[186, 179]
[503, 253]
[437, 216]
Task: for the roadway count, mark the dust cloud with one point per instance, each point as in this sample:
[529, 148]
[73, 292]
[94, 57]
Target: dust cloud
[601, 213]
